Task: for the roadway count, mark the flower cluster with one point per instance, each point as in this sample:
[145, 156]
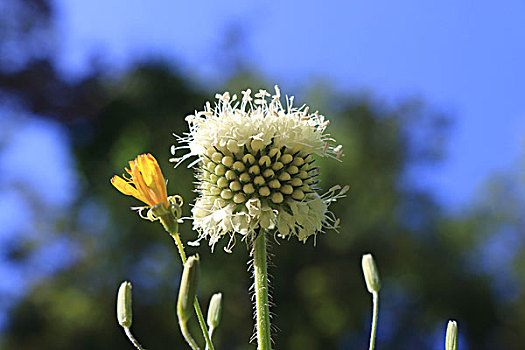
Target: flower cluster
[256, 167]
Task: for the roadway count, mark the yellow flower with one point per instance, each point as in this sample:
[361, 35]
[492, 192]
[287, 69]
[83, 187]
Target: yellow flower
[144, 181]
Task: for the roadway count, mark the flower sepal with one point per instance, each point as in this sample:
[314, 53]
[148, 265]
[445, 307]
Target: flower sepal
[169, 217]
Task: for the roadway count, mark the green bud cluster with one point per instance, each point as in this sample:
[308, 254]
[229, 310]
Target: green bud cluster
[268, 173]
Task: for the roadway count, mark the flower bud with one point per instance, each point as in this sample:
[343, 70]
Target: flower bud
[188, 288]
[215, 310]
[286, 158]
[451, 340]
[373, 284]
[239, 166]
[124, 313]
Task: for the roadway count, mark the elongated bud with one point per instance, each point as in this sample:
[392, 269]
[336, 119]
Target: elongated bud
[124, 313]
[373, 283]
[215, 310]
[188, 288]
[451, 340]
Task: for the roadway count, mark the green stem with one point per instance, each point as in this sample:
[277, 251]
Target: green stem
[260, 275]
[196, 306]
[187, 336]
[132, 338]
[375, 300]
[211, 336]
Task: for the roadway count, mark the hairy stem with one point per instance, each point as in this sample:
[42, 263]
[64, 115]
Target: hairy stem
[171, 226]
[375, 300]
[132, 338]
[196, 306]
[260, 275]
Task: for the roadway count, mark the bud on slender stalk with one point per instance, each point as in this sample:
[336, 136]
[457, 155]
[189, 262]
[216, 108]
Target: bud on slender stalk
[124, 313]
[215, 310]
[373, 283]
[188, 288]
[451, 340]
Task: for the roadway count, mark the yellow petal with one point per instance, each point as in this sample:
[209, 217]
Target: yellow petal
[145, 181]
[142, 188]
[160, 182]
[124, 187]
[146, 168]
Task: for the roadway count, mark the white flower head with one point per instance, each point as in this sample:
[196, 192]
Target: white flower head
[256, 168]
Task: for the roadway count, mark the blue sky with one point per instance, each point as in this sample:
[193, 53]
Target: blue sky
[464, 58]
[34, 196]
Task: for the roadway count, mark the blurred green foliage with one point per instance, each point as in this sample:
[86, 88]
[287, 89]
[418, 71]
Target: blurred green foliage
[434, 266]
